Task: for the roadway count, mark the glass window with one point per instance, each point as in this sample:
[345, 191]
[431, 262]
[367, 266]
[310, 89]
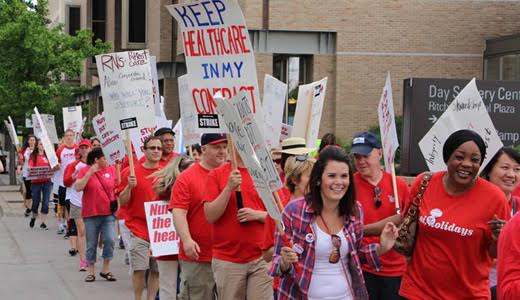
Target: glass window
[74, 20]
[294, 70]
[510, 67]
[505, 67]
[492, 68]
[136, 21]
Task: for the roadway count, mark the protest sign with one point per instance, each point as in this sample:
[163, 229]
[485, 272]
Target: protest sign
[44, 137]
[155, 85]
[467, 111]
[275, 95]
[110, 138]
[219, 57]
[72, 118]
[40, 173]
[245, 149]
[190, 131]
[307, 117]
[385, 111]
[12, 132]
[138, 137]
[180, 144]
[164, 240]
[285, 132]
[50, 127]
[252, 129]
[126, 84]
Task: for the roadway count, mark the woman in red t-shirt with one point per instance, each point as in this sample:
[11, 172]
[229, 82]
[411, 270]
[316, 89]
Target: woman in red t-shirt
[457, 226]
[503, 170]
[40, 187]
[168, 265]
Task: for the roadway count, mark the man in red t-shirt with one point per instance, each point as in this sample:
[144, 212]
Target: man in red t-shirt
[134, 191]
[238, 267]
[374, 190]
[190, 222]
[167, 136]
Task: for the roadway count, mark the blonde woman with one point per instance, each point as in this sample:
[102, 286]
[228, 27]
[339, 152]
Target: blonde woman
[168, 265]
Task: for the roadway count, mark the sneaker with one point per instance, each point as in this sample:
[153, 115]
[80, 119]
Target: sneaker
[43, 226]
[73, 252]
[27, 212]
[31, 223]
[66, 236]
[61, 229]
[83, 266]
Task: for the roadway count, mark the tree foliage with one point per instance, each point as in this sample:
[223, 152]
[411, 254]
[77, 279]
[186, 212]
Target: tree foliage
[34, 58]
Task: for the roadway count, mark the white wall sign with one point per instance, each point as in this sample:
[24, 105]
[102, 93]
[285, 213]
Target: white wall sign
[385, 111]
[163, 237]
[275, 95]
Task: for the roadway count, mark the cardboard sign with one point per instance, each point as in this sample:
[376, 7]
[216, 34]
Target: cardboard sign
[126, 84]
[262, 152]
[467, 111]
[309, 108]
[44, 137]
[275, 95]
[385, 111]
[138, 137]
[163, 237]
[50, 126]
[245, 150]
[190, 131]
[219, 57]
[39, 173]
[285, 132]
[110, 138]
[72, 118]
[12, 132]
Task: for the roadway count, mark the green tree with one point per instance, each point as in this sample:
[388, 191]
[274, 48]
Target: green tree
[34, 58]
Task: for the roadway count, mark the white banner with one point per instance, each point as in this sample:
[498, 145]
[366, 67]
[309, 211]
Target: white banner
[39, 173]
[50, 127]
[110, 138]
[467, 111]
[163, 237]
[190, 131]
[219, 57]
[44, 137]
[126, 84]
[309, 108]
[245, 150]
[385, 112]
[72, 118]
[275, 95]
[12, 132]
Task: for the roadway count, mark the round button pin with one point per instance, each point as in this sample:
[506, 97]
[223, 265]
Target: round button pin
[309, 237]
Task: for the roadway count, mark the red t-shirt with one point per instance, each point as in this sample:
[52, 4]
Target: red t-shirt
[232, 241]
[451, 257]
[135, 215]
[516, 192]
[98, 192]
[392, 263]
[41, 161]
[165, 160]
[188, 193]
[508, 265]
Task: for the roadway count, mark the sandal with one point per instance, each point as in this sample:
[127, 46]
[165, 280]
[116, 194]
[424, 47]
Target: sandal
[90, 278]
[108, 276]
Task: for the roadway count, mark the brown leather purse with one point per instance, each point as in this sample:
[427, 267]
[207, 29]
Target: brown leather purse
[405, 241]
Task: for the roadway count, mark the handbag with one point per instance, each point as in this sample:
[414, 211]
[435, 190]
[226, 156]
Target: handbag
[113, 203]
[405, 241]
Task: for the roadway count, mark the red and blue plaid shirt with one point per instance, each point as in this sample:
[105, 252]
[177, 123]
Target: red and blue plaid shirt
[298, 218]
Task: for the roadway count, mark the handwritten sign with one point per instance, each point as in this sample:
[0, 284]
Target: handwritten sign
[467, 111]
[50, 126]
[44, 137]
[39, 173]
[164, 240]
[285, 132]
[219, 57]
[275, 94]
[126, 84]
[245, 149]
[138, 137]
[110, 138]
[72, 118]
[385, 111]
[190, 131]
[309, 108]
[12, 131]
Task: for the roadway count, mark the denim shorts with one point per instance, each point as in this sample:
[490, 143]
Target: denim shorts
[106, 225]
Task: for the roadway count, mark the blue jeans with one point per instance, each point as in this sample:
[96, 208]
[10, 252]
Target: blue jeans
[93, 227]
[37, 189]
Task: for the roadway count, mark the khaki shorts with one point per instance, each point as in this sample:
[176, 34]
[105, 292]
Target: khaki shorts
[75, 212]
[140, 259]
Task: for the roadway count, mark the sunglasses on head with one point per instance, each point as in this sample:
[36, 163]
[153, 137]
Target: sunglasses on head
[377, 197]
[300, 157]
[336, 244]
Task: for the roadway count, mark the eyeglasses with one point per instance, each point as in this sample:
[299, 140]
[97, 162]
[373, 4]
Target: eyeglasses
[336, 244]
[154, 148]
[301, 157]
[377, 197]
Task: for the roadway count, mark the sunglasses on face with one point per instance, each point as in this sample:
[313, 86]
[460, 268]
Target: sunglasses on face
[377, 197]
[336, 244]
[154, 148]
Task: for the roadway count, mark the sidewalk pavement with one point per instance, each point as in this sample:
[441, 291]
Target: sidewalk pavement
[34, 263]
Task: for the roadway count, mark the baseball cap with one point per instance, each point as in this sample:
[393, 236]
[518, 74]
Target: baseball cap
[295, 146]
[364, 142]
[164, 130]
[85, 142]
[212, 138]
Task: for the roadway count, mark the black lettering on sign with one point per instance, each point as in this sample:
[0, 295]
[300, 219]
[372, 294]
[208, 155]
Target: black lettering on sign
[208, 121]
[128, 123]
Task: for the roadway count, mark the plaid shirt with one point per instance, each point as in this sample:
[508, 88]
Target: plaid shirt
[298, 218]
